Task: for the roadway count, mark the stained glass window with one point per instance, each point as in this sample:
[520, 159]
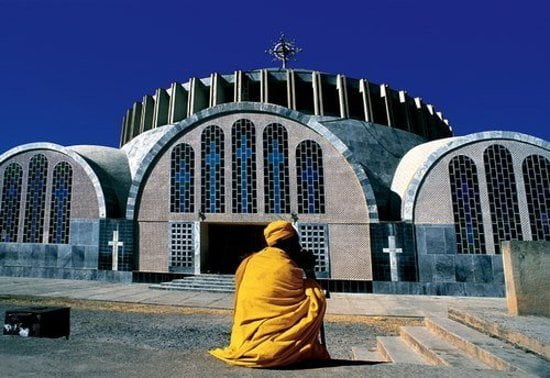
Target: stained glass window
[470, 236]
[182, 178]
[60, 204]
[503, 197]
[309, 172]
[243, 167]
[212, 172]
[276, 179]
[36, 199]
[536, 174]
[11, 201]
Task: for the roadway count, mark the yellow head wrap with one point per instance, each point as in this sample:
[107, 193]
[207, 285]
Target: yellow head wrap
[278, 230]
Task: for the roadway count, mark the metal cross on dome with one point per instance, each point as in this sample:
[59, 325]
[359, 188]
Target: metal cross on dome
[283, 50]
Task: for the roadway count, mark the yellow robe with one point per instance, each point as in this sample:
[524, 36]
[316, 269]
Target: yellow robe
[277, 314]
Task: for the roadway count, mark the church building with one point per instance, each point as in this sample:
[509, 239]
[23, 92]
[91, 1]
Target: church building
[381, 191]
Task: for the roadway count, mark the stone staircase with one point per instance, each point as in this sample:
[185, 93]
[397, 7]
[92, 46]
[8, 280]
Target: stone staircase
[445, 342]
[219, 283]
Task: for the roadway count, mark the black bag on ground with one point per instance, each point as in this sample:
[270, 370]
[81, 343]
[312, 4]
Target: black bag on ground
[38, 322]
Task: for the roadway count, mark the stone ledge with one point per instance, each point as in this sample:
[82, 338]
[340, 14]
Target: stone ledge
[527, 332]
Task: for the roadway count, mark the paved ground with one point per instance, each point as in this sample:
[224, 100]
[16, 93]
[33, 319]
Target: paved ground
[141, 338]
[348, 304]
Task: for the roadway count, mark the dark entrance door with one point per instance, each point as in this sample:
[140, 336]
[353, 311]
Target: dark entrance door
[229, 244]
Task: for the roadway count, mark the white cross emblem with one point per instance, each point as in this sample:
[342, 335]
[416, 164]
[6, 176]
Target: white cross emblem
[393, 257]
[115, 243]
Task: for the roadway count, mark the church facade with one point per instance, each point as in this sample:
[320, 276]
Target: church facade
[380, 190]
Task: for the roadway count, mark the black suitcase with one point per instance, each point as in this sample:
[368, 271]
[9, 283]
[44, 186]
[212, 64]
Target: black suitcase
[38, 322]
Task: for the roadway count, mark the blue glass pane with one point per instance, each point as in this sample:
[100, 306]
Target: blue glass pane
[61, 203]
[11, 201]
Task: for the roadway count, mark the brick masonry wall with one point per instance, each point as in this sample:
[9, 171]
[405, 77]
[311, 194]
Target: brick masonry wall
[438, 260]
[345, 203]
[83, 198]
[434, 204]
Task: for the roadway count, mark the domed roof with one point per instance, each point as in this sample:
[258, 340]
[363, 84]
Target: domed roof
[307, 91]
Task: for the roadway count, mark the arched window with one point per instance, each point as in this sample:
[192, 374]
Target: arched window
[212, 172]
[276, 180]
[182, 178]
[60, 204]
[536, 174]
[470, 236]
[36, 199]
[243, 166]
[309, 176]
[503, 197]
[11, 201]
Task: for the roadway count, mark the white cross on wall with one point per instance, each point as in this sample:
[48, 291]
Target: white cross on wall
[115, 243]
[393, 257]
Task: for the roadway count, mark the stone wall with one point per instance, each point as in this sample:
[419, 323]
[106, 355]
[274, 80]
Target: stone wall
[77, 260]
[526, 267]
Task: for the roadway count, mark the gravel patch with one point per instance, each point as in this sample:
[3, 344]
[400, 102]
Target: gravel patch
[174, 343]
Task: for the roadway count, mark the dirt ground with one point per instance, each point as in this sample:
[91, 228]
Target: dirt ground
[114, 339]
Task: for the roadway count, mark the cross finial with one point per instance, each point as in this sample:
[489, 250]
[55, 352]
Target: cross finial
[283, 50]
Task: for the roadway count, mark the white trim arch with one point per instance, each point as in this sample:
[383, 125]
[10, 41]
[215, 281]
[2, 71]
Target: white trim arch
[175, 130]
[73, 155]
[415, 165]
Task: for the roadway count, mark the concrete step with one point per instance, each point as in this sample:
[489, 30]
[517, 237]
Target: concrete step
[393, 349]
[216, 283]
[206, 279]
[437, 351]
[203, 282]
[492, 352]
[527, 332]
[223, 275]
[221, 283]
[210, 289]
[199, 287]
[360, 353]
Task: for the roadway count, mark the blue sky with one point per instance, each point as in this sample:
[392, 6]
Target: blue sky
[69, 69]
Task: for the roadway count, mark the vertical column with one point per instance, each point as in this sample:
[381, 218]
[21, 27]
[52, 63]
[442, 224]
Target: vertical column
[404, 104]
[212, 90]
[127, 127]
[264, 86]
[238, 86]
[317, 93]
[197, 96]
[291, 89]
[422, 125]
[196, 236]
[136, 118]
[431, 121]
[386, 95]
[342, 96]
[123, 131]
[162, 104]
[147, 113]
[213, 95]
[178, 103]
[522, 199]
[367, 101]
[128, 132]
